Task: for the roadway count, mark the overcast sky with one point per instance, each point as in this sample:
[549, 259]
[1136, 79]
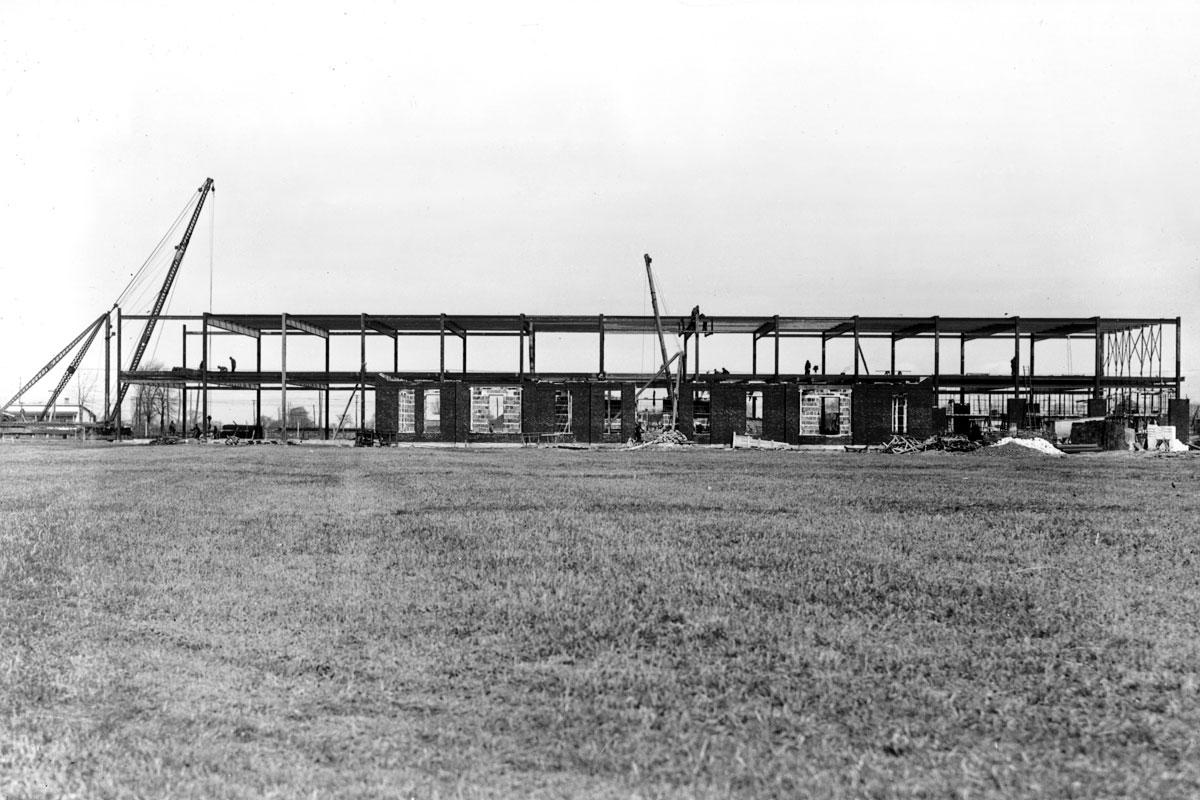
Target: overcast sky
[837, 158]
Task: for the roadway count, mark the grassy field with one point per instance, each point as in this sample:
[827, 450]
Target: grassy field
[209, 622]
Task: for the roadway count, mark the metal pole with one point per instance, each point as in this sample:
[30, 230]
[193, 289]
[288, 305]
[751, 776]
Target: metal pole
[521, 349]
[442, 347]
[601, 344]
[1097, 391]
[283, 376]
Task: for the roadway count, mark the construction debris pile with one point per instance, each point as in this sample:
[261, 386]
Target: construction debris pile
[668, 438]
[950, 444]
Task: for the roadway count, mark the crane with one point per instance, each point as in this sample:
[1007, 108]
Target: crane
[89, 332]
[161, 300]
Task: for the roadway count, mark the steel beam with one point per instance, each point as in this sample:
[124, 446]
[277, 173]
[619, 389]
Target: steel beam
[234, 327]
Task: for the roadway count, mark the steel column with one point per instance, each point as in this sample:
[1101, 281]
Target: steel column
[1178, 359]
[776, 347]
[441, 347]
[601, 344]
[1097, 390]
[937, 358]
[258, 386]
[855, 345]
[183, 408]
[107, 359]
[362, 372]
[325, 424]
[283, 328]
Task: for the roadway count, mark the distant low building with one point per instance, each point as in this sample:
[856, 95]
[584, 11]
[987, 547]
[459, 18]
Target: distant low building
[59, 414]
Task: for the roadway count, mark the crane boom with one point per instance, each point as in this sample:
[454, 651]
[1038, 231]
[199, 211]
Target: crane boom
[74, 365]
[91, 328]
[161, 300]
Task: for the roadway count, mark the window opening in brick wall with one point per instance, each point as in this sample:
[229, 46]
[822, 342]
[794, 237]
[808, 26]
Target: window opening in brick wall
[562, 411]
[831, 416]
[612, 411]
[754, 413]
[899, 414]
[433, 409]
[496, 409]
[702, 412]
[407, 411]
[652, 410]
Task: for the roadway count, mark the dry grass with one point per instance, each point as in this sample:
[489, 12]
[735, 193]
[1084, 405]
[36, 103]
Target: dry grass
[285, 622]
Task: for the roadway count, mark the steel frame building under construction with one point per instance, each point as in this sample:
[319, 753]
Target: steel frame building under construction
[450, 403]
[598, 405]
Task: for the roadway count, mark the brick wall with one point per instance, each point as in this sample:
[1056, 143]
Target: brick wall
[872, 408]
[387, 401]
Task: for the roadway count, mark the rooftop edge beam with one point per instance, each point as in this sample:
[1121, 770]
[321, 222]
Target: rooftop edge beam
[1065, 330]
[233, 327]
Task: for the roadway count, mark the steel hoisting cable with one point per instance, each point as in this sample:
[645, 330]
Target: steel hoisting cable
[212, 232]
[141, 274]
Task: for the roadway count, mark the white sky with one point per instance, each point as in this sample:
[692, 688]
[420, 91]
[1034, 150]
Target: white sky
[837, 158]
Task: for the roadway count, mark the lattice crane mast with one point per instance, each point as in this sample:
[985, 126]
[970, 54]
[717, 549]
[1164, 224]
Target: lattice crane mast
[91, 329]
[161, 300]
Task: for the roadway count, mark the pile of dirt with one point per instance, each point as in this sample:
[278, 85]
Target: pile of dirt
[1034, 447]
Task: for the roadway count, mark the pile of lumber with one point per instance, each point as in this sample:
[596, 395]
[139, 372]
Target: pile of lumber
[900, 444]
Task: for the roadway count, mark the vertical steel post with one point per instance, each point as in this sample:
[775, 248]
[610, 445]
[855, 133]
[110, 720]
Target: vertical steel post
[823, 354]
[362, 372]
[183, 407]
[204, 373]
[1097, 390]
[1032, 363]
[521, 350]
[754, 353]
[937, 358]
[893, 372]
[1178, 358]
[325, 426]
[1016, 358]
[696, 333]
[962, 367]
[441, 347]
[107, 360]
[776, 347]
[532, 351]
[856, 346]
[258, 385]
[283, 417]
[601, 344]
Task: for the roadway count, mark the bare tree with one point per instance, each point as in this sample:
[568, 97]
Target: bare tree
[153, 402]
